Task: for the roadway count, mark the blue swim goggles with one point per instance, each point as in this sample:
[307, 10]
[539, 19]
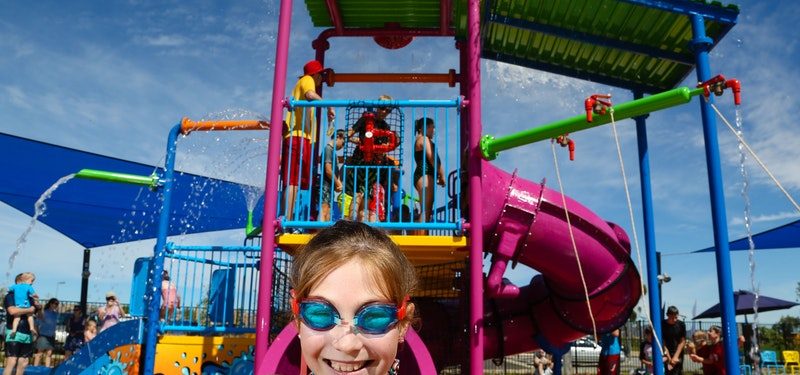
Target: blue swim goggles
[374, 318]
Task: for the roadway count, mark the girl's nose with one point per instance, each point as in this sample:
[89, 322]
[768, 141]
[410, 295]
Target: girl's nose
[345, 338]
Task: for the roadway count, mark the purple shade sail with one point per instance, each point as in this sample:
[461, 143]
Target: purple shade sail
[743, 303]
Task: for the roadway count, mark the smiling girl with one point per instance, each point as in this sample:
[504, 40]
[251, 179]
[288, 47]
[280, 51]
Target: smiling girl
[351, 300]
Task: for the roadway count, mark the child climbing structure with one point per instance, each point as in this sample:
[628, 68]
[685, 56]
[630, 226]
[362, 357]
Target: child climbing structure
[588, 282]
[513, 219]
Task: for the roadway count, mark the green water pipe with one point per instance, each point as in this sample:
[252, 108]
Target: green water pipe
[490, 145]
[151, 181]
[250, 230]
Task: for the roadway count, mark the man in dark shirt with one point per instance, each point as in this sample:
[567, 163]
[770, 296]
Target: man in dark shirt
[673, 332]
[20, 348]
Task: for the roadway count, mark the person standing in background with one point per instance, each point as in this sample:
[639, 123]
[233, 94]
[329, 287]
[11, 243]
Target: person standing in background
[110, 313]
[712, 355]
[169, 297]
[673, 332]
[20, 347]
[542, 363]
[300, 131]
[46, 343]
[608, 364]
[75, 327]
[330, 181]
[428, 167]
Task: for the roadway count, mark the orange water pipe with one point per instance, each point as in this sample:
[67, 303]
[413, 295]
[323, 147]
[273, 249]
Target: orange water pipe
[188, 126]
[450, 78]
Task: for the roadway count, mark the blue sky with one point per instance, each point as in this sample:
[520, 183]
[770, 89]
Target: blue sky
[112, 77]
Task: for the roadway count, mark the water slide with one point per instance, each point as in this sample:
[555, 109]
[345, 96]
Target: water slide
[525, 222]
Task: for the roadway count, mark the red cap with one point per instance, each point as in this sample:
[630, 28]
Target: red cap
[313, 67]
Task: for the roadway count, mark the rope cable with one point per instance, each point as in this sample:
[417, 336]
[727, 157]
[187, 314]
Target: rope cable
[572, 239]
[757, 159]
[630, 215]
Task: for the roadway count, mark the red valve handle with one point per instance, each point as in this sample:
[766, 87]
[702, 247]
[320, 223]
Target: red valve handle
[565, 141]
[368, 146]
[596, 104]
[718, 83]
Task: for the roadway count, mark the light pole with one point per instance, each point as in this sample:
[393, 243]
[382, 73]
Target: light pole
[58, 284]
[663, 278]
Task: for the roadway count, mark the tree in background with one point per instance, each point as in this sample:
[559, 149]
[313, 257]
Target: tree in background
[797, 291]
[782, 335]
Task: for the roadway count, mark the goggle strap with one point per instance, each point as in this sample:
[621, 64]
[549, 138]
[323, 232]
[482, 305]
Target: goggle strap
[295, 304]
[401, 311]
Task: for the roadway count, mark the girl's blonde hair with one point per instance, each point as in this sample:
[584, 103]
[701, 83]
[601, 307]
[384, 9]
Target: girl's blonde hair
[699, 339]
[699, 335]
[389, 269]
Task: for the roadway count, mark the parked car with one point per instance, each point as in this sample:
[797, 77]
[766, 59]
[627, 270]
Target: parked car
[586, 352]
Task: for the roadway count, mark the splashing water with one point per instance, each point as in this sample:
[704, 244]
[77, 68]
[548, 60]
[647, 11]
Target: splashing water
[754, 350]
[251, 194]
[560, 93]
[38, 210]
[234, 114]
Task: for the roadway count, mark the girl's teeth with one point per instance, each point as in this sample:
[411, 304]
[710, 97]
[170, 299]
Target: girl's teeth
[345, 367]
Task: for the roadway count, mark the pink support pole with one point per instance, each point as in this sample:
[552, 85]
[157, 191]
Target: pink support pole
[271, 186]
[476, 205]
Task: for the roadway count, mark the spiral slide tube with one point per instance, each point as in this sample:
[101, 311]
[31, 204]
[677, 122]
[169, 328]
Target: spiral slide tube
[525, 222]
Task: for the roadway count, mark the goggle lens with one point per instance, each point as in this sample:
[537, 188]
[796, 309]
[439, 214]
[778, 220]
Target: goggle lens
[376, 318]
[318, 316]
[371, 319]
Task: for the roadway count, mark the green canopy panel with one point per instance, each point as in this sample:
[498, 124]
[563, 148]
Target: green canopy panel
[641, 45]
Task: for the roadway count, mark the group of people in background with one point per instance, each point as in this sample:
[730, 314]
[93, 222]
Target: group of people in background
[357, 187]
[705, 348]
[31, 328]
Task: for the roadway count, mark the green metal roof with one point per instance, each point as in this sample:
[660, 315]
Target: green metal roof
[376, 13]
[640, 45]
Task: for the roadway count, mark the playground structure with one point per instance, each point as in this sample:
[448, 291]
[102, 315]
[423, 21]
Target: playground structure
[234, 316]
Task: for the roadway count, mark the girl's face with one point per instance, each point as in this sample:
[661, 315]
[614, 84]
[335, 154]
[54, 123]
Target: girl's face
[342, 350]
[713, 336]
[430, 131]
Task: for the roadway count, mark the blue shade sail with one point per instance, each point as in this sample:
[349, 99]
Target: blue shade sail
[782, 237]
[97, 213]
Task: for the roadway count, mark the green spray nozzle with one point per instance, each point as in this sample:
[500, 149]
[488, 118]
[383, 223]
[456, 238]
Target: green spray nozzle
[250, 230]
[152, 181]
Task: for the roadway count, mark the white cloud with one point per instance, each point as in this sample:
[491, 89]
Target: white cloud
[17, 97]
[164, 41]
[780, 216]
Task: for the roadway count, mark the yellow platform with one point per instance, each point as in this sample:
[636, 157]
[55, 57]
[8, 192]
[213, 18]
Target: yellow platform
[184, 354]
[420, 250]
